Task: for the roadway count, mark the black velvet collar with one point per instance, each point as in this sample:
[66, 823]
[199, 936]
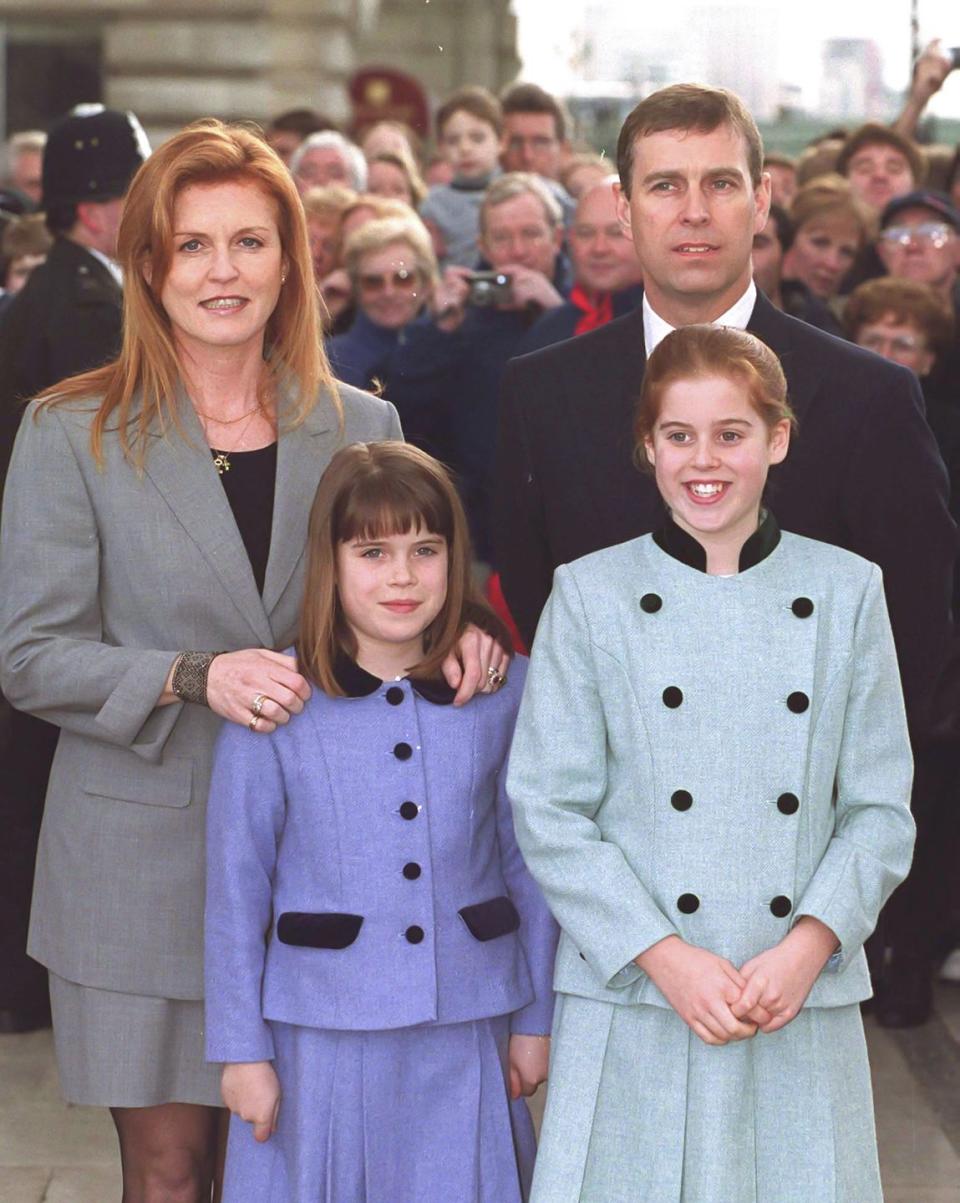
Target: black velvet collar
[675, 541]
[356, 682]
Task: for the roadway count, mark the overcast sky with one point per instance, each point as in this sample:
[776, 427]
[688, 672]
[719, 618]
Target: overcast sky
[545, 28]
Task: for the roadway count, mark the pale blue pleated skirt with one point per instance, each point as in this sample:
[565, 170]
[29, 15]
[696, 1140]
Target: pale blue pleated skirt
[640, 1110]
[411, 1115]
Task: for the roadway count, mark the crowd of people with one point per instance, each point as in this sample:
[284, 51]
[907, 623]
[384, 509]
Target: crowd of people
[196, 341]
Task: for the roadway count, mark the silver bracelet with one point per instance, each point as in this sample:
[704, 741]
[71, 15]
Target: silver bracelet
[190, 676]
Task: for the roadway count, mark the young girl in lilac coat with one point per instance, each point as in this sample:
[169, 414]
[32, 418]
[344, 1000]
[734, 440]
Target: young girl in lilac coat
[378, 958]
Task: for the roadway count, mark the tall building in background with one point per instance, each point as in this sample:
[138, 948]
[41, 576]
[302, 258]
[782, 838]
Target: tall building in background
[852, 87]
[737, 46]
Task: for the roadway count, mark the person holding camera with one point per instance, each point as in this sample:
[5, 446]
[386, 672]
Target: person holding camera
[521, 239]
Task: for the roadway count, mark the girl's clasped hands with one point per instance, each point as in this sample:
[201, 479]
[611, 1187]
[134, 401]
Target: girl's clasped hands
[719, 1002]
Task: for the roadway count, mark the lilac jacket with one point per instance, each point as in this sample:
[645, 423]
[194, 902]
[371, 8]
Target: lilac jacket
[362, 870]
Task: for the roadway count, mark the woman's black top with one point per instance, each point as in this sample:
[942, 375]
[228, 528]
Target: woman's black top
[249, 484]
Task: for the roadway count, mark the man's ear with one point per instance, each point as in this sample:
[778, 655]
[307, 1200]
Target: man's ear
[623, 209]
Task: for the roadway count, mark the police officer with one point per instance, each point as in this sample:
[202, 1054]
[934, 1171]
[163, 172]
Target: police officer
[66, 319]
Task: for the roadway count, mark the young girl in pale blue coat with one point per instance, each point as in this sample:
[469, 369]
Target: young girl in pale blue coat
[378, 958]
[710, 779]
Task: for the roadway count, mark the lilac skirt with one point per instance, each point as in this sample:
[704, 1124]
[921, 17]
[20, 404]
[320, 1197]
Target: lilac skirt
[410, 1115]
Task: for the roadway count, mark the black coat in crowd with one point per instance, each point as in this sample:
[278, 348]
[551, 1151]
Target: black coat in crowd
[66, 319]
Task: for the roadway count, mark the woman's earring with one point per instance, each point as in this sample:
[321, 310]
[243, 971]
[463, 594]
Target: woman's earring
[283, 279]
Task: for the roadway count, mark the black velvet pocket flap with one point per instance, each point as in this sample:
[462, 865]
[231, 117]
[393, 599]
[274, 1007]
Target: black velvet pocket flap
[487, 920]
[306, 930]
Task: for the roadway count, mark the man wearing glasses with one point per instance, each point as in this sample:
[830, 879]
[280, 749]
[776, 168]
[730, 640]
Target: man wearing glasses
[534, 138]
[920, 241]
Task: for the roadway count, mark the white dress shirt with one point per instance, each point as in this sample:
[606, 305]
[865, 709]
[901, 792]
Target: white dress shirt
[655, 329]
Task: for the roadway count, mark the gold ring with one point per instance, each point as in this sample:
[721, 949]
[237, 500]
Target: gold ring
[252, 725]
[496, 679]
[257, 706]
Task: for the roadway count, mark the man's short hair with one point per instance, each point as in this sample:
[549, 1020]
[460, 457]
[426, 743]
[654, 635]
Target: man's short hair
[531, 98]
[33, 140]
[476, 101]
[518, 183]
[873, 132]
[688, 107]
[302, 122]
[904, 301]
[351, 154]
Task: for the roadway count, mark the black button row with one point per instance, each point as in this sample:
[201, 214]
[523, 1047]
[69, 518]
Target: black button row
[798, 701]
[394, 695]
[402, 751]
[412, 870]
[780, 907]
[650, 603]
[787, 804]
[414, 934]
[409, 810]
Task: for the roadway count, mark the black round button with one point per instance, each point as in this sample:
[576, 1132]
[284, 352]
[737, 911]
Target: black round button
[802, 607]
[781, 906]
[394, 695]
[650, 603]
[412, 871]
[681, 799]
[788, 804]
[409, 810]
[672, 697]
[414, 934]
[403, 751]
[688, 903]
[797, 702]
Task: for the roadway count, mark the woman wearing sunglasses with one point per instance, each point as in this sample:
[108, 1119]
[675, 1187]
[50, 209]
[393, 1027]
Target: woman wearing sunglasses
[399, 344]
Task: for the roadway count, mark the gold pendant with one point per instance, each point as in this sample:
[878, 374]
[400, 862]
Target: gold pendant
[221, 462]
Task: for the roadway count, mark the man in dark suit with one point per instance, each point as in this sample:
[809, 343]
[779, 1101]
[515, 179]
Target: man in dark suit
[864, 473]
[64, 320]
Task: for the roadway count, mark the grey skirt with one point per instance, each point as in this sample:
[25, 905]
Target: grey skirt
[639, 1110]
[128, 1050]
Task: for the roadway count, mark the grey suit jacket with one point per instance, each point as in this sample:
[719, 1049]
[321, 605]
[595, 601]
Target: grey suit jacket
[712, 757]
[106, 575]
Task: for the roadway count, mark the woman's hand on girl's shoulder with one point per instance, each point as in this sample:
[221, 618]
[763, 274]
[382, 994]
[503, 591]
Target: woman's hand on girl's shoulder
[251, 1090]
[700, 986]
[529, 1060]
[479, 665]
[256, 684]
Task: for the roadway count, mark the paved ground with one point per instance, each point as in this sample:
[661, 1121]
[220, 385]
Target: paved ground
[50, 1153]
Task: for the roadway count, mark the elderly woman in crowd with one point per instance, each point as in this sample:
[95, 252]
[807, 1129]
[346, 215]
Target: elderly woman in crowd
[336, 290]
[328, 158]
[152, 555]
[830, 229]
[397, 344]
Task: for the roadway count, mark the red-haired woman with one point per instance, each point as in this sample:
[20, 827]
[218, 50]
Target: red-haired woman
[153, 534]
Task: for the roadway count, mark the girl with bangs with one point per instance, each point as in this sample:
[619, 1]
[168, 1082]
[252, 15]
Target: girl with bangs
[378, 958]
[151, 560]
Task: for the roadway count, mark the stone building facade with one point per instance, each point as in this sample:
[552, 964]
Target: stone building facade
[174, 60]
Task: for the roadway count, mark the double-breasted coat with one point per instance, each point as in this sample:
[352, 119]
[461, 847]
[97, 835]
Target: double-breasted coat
[710, 757]
[363, 876]
[107, 574]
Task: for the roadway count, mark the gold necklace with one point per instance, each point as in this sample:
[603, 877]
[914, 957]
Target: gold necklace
[227, 421]
[221, 461]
